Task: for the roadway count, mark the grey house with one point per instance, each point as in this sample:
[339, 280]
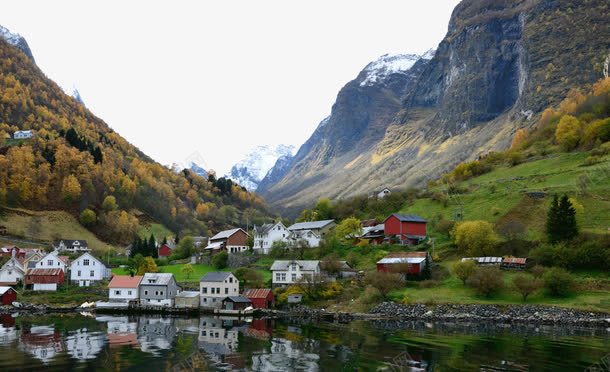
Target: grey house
[158, 289]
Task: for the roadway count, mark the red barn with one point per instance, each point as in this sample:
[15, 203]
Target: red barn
[262, 298]
[44, 279]
[165, 251]
[7, 295]
[409, 263]
[12, 251]
[409, 229]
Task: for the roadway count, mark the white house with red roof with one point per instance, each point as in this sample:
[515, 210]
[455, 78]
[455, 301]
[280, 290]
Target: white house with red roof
[124, 288]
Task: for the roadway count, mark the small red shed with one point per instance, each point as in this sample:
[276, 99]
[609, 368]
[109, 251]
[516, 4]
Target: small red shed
[7, 295]
[409, 229]
[262, 298]
[409, 263]
[165, 251]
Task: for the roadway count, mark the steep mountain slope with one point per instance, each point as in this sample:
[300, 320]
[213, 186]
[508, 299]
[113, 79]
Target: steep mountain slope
[249, 171]
[500, 63]
[76, 163]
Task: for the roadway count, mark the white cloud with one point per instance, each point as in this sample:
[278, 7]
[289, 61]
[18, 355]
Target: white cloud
[217, 77]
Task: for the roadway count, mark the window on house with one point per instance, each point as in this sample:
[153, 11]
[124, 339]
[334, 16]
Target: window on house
[277, 277]
[294, 267]
[230, 279]
[86, 262]
[283, 277]
[79, 273]
[204, 290]
[205, 300]
[161, 293]
[294, 277]
[226, 290]
[156, 293]
[146, 293]
[204, 333]
[129, 293]
[118, 293]
[91, 273]
[50, 262]
[217, 290]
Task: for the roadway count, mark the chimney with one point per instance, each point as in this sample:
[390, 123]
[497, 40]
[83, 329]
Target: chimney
[14, 252]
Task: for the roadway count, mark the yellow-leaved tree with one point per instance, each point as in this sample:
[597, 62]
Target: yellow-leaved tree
[147, 266]
[70, 189]
[568, 132]
[477, 238]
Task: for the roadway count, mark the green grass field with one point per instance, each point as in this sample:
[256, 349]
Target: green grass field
[48, 226]
[501, 193]
[199, 271]
[452, 290]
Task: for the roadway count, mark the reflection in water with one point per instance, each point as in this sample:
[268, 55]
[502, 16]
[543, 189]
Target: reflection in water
[149, 343]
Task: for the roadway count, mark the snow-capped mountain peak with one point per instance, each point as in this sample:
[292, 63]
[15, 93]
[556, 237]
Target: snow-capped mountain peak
[17, 41]
[386, 65]
[249, 171]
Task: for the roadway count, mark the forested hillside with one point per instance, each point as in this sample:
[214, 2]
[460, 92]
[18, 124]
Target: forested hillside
[77, 163]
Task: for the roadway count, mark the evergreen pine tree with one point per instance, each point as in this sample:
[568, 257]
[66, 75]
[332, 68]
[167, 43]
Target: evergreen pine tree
[553, 222]
[164, 240]
[152, 247]
[427, 271]
[569, 228]
[134, 247]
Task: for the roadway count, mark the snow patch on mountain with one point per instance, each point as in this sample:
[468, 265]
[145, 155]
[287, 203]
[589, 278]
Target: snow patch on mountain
[391, 63]
[194, 162]
[249, 171]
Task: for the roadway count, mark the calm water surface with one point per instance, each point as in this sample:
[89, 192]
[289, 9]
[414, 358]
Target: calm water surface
[152, 343]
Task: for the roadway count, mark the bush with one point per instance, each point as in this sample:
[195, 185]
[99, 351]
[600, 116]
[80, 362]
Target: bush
[477, 238]
[371, 295]
[558, 281]
[568, 132]
[384, 282]
[487, 280]
[538, 271]
[87, 217]
[527, 285]
[464, 269]
[220, 260]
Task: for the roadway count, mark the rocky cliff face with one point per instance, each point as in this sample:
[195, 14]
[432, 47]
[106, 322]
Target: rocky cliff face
[17, 41]
[500, 62]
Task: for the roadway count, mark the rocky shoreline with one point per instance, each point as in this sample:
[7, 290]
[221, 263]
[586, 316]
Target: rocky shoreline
[504, 314]
[508, 314]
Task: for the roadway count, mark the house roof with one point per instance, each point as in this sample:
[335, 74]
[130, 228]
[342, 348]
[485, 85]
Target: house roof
[399, 260]
[406, 254]
[88, 255]
[44, 272]
[257, 293]
[4, 289]
[263, 229]
[484, 259]
[515, 260]
[125, 281]
[313, 225]
[214, 245]
[215, 276]
[226, 233]
[309, 265]
[301, 233]
[407, 218]
[237, 299]
[64, 259]
[159, 278]
[188, 294]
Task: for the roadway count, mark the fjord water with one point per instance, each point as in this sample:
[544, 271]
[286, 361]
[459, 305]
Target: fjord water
[150, 343]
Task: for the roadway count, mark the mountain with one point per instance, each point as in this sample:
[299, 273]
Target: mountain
[18, 41]
[76, 95]
[500, 64]
[249, 171]
[76, 163]
[194, 162]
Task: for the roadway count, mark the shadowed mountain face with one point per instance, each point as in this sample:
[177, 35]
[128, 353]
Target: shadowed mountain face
[500, 62]
[18, 41]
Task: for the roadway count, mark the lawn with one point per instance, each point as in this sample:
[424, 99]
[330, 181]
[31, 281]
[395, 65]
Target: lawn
[199, 271]
[451, 290]
[65, 296]
[49, 226]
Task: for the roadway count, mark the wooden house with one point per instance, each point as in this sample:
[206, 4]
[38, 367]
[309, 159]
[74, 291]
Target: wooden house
[408, 229]
[44, 279]
[261, 298]
[7, 295]
[232, 241]
[236, 303]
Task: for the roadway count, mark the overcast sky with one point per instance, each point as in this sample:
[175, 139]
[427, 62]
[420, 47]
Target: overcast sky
[217, 77]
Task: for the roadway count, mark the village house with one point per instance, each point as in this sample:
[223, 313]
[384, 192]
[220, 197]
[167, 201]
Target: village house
[312, 232]
[53, 261]
[187, 300]
[12, 251]
[87, 270]
[288, 272]
[31, 259]
[265, 235]
[72, 246]
[233, 241]
[374, 234]
[7, 296]
[124, 288]
[44, 279]
[407, 263]
[23, 134]
[215, 286]
[408, 229]
[236, 303]
[12, 272]
[261, 298]
[164, 250]
[158, 289]
[518, 263]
